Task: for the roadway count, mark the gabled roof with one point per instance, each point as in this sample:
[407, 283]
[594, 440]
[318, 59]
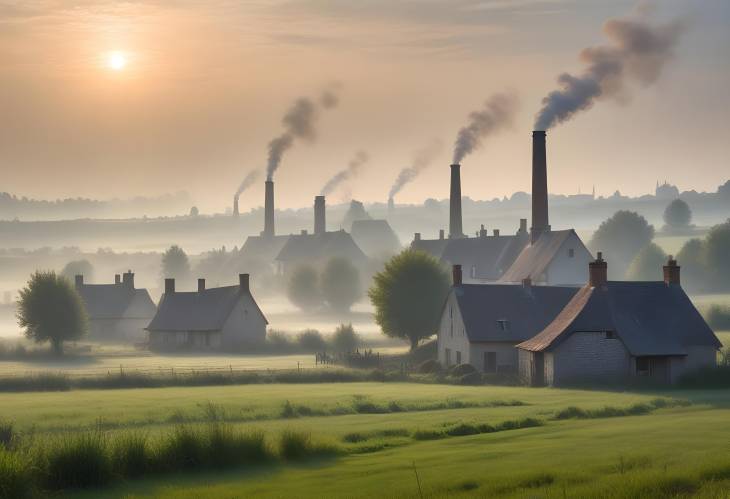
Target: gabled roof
[527, 309]
[434, 247]
[111, 301]
[492, 255]
[375, 236]
[650, 318]
[535, 258]
[263, 247]
[313, 247]
[206, 310]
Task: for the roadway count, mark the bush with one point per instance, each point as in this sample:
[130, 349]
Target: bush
[15, 476]
[279, 342]
[677, 214]
[345, 339]
[295, 445]
[184, 448]
[474, 378]
[429, 367]
[7, 434]
[227, 447]
[303, 288]
[312, 341]
[130, 455]
[75, 461]
[341, 286]
[462, 429]
[462, 369]
[620, 238]
[647, 265]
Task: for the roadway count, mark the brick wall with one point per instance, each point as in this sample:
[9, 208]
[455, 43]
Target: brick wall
[587, 355]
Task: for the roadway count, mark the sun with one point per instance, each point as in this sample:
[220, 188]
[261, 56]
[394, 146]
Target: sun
[116, 60]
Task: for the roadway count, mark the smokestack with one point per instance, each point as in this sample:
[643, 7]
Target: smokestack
[598, 272]
[169, 286]
[456, 275]
[269, 209]
[128, 279]
[235, 206]
[455, 230]
[671, 271]
[79, 280]
[201, 285]
[482, 231]
[540, 222]
[243, 283]
[117, 279]
[320, 224]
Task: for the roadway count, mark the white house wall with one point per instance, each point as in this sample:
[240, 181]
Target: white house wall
[245, 324]
[567, 270]
[452, 334]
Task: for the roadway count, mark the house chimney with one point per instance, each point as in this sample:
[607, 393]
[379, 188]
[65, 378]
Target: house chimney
[320, 224]
[441, 233]
[540, 222]
[671, 271]
[268, 209]
[117, 279]
[169, 286]
[128, 279]
[235, 206]
[598, 272]
[455, 230]
[417, 236]
[79, 280]
[456, 274]
[495, 232]
[523, 226]
[482, 231]
[243, 283]
[527, 282]
[201, 285]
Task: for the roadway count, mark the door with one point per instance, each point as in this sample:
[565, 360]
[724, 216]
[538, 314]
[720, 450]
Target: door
[490, 362]
[538, 366]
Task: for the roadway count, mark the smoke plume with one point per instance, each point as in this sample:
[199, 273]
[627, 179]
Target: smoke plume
[496, 114]
[247, 182]
[361, 157]
[637, 51]
[421, 160]
[299, 123]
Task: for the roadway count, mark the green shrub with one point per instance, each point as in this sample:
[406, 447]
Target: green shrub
[183, 448]
[354, 438]
[363, 405]
[462, 369]
[718, 317]
[295, 445]
[227, 447]
[74, 461]
[462, 429]
[429, 366]
[7, 434]
[36, 383]
[15, 476]
[130, 455]
[427, 434]
[311, 341]
[473, 378]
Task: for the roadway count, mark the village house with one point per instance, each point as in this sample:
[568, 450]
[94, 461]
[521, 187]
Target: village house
[481, 323]
[227, 317]
[117, 312]
[615, 331]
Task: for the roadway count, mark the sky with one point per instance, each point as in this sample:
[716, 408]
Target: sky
[102, 98]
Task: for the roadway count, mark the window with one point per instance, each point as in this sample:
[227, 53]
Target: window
[571, 252]
[503, 324]
[447, 355]
[490, 362]
[610, 335]
[458, 358]
[643, 366]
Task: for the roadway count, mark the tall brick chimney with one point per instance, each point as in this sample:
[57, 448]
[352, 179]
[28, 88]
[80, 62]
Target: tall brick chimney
[540, 221]
[456, 275]
[268, 209]
[235, 206]
[598, 272]
[169, 286]
[320, 220]
[243, 283]
[128, 279]
[671, 271]
[455, 228]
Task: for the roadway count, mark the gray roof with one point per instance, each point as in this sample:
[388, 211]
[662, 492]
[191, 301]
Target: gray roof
[650, 318]
[527, 309]
[535, 258]
[205, 310]
[262, 247]
[434, 247]
[375, 236]
[111, 301]
[313, 247]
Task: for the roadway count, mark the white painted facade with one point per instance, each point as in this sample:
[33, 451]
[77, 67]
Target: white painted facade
[245, 324]
[569, 266]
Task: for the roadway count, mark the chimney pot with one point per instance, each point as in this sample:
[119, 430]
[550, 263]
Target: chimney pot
[169, 286]
[598, 271]
[523, 225]
[243, 283]
[671, 271]
[79, 280]
[303, 232]
[417, 236]
[117, 279]
[456, 275]
[482, 231]
[526, 282]
[201, 285]
[455, 226]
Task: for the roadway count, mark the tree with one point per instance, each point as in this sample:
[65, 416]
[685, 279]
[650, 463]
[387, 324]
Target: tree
[312, 341]
[691, 259]
[677, 214]
[408, 295]
[620, 238]
[647, 265]
[175, 263]
[717, 256]
[50, 309]
[194, 212]
[345, 339]
[78, 267]
[341, 286]
[303, 289]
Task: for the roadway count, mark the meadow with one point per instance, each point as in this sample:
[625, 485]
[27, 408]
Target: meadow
[423, 440]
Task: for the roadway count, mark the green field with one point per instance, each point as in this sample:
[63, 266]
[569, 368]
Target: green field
[676, 448]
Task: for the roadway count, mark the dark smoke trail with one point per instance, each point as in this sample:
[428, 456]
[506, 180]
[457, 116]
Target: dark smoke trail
[299, 123]
[497, 113]
[361, 157]
[421, 160]
[638, 51]
[247, 182]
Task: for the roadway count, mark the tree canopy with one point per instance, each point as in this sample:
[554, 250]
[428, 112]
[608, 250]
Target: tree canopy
[647, 265]
[175, 263]
[620, 238]
[345, 339]
[717, 256]
[691, 259]
[78, 267]
[303, 288]
[677, 214]
[408, 295]
[50, 309]
[340, 284]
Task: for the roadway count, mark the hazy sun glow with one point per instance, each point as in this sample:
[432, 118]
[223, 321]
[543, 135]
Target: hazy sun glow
[116, 60]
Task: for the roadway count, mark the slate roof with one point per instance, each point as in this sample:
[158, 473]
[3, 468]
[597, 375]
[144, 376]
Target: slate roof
[527, 309]
[111, 301]
[205, 310]
[313, 247]
[535, 258]
[375, 237]
[434, 247]
[650, 318]
[262, 247]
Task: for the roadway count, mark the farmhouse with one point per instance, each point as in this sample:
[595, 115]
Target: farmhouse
[207, 319]
[482, 323]
[614, 331]
[117, 312]
[375, 237]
